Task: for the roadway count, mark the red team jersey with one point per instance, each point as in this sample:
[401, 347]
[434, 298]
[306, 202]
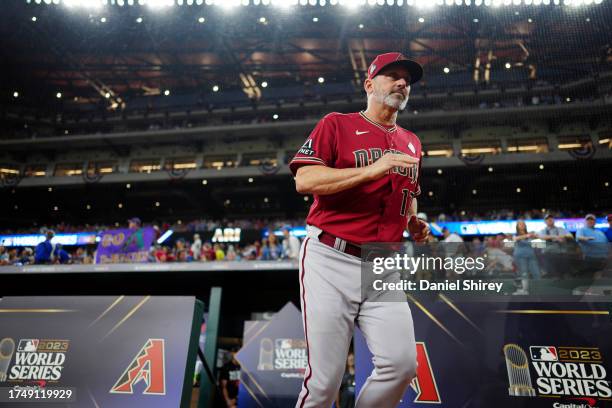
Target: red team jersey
[373, 211]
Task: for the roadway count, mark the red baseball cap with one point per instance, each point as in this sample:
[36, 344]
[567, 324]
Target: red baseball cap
[391, 58]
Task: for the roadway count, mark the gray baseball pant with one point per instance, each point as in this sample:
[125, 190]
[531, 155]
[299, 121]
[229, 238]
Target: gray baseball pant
[330, 293]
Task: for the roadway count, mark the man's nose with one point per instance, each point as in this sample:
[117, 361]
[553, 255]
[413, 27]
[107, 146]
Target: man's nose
[401, 83]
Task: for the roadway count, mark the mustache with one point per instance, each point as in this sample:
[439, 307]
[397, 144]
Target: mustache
[403, 92]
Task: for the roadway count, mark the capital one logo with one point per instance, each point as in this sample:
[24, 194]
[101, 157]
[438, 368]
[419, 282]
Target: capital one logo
[425, 383]
[148, 366]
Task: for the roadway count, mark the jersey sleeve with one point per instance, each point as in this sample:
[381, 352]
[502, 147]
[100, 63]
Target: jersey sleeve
[417, 191]
[319, 148]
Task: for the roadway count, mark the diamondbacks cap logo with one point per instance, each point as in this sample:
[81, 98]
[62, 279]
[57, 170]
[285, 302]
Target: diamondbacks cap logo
[425, 382]
[7, 348]
[372, 68]
[149, 365]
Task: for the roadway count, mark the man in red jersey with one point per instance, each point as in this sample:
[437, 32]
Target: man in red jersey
[363, 171]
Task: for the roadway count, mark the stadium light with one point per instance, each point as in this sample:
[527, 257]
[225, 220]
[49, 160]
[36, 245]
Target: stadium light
[321, 80]
[264, 84]
[15, 94]
[215, 88]
[352, 4]
[424, 4]
[227, 4]
[34, 18]
[159, 4]
[286, 4]
[86, 4]
[201, 20]
[58, 95]
[139, 20]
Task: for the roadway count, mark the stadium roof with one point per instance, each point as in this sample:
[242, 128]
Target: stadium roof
[56, 57]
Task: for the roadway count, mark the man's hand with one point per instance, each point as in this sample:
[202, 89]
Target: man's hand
[419, 229]
[388, 161]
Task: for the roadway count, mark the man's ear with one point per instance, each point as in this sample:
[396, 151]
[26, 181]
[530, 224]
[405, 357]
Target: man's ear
[368, 86]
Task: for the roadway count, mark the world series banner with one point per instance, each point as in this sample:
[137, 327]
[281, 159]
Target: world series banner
[92, 352]
[477, 354]
[273, 360]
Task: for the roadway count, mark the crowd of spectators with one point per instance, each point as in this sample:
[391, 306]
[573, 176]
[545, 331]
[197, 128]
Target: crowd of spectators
[507, 253]
[207, 224]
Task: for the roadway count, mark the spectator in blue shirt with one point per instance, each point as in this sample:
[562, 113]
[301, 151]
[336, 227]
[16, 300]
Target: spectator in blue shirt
[556, 255]
[61, 255]
[609, 230]
[594, 245]
[525, 257]
[44, 251]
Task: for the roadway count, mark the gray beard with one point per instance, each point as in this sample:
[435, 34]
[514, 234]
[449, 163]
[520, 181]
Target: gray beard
[391, 101]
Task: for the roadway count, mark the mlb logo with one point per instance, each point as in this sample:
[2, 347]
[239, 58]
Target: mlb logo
[543, 353]
[27, 345]
[283, 343]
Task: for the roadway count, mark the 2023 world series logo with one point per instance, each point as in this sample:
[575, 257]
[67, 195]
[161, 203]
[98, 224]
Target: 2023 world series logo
[34, 359]
[573, 373]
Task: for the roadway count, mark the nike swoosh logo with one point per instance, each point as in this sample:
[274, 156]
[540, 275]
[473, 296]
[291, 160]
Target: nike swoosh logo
[361, 133]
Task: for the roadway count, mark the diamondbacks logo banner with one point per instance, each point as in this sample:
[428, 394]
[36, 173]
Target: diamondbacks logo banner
[148, 366]
[119, 352]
